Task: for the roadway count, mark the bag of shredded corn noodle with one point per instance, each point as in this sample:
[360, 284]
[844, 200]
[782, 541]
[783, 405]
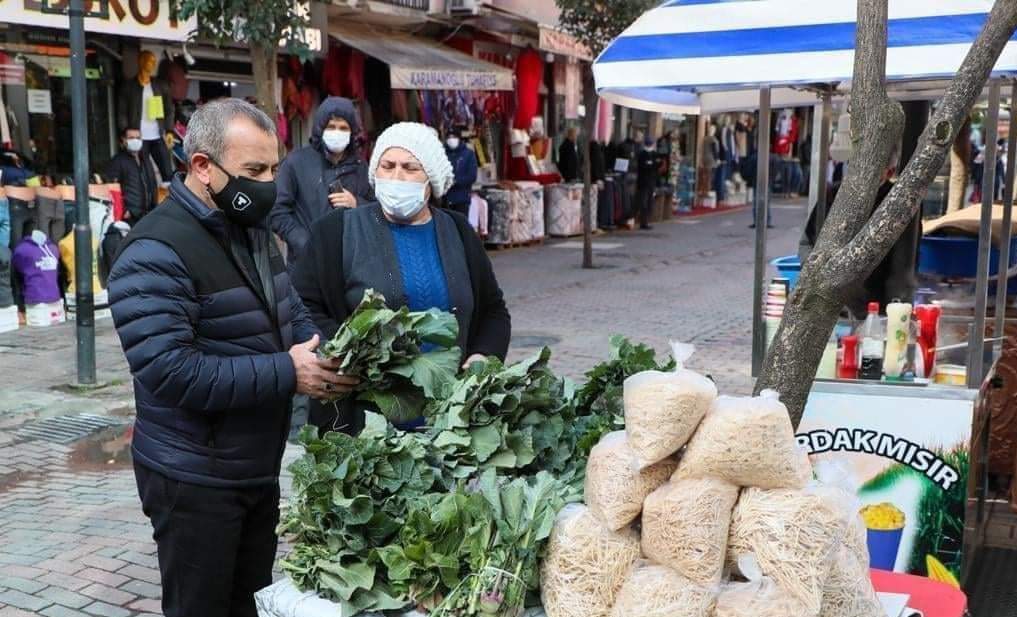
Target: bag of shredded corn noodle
[793, 535]
[658, 591]
[685, 527]
[586, 564]
[615, 485]
[662, 409]
[749, 442]
[759, 597]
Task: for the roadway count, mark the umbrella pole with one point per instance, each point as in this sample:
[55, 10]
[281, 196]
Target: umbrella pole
[1004, 240]
[762, 200]
[976, 351]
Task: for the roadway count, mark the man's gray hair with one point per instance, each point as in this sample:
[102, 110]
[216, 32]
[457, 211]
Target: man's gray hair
[206, 130]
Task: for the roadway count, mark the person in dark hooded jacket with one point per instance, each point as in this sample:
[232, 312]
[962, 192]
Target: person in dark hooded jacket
[329, 173]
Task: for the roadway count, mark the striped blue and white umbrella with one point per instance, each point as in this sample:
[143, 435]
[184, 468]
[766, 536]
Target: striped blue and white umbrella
[683, 53]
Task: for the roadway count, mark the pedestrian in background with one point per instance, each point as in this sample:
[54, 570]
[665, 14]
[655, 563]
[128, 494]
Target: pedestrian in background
[218, 342]
[416, 255]
[326, 174]
[647, 172]
[133, 169]
[464, 170]
[568, 157]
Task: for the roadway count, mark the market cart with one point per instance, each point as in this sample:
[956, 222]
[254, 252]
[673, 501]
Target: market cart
[691, 57]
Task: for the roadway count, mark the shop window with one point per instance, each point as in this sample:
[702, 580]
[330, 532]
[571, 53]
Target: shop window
[36, 96]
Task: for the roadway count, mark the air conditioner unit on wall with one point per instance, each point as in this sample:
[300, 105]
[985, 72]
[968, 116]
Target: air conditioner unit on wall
[461, 7]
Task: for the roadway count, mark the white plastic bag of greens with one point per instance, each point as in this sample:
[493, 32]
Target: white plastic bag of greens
[749, 442]
[283, 599]
[663, 409]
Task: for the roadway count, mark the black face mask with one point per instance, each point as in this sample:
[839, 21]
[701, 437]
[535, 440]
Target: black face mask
[244, 201]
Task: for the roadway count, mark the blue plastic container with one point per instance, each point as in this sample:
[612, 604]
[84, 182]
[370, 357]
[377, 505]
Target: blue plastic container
[957, 256]
[788, 267]
[883, 547]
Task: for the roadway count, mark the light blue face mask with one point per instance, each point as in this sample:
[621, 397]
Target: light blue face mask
[400, 199]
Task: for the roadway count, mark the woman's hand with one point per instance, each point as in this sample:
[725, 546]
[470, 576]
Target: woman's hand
[342, 199]
[474, 358]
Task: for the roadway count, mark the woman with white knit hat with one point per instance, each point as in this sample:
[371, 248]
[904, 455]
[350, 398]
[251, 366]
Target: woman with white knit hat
[415, 254]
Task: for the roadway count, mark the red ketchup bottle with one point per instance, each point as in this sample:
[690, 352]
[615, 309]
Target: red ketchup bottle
[848, 368]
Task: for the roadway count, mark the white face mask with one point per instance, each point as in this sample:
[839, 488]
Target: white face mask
[400, 199]
[335, 140]
[134, 145]
[453, 142]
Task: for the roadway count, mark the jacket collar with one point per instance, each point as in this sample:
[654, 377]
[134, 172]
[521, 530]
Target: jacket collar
[210, 218]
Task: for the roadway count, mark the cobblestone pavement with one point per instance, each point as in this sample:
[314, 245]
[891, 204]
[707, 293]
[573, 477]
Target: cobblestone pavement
[73, 540]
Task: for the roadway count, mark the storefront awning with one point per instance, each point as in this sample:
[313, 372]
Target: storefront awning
[420, 64]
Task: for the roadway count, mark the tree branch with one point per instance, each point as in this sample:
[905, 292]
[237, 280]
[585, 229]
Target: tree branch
[878, 235]
[877, 125]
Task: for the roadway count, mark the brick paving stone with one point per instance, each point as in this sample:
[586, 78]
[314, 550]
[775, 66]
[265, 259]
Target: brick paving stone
[21, 584]
[109, 594]
[102, 577]
[10, 611]
[141, 559]
[64, 597]
[61, 564]
[62, 611]
[28, 572]
[19, 599]
[64, 581]
[147, 605]
[149, 575]
[106, 610]
[103, 563]
[141, 588]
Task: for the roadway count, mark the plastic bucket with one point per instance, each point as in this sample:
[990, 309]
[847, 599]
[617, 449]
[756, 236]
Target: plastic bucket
[883, 546]
[789, 267]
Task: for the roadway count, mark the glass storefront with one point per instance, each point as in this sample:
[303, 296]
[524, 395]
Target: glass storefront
[35, 73]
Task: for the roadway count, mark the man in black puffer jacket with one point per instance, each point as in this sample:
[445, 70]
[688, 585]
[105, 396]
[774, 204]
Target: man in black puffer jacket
[218, 342]
[329, 173]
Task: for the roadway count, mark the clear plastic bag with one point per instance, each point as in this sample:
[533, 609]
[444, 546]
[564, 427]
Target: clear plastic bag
[841, 492]
[685, 526]
[615, 485]
[848, 591]
[663, 409]
[792, 534]
[747, 441]
[759, 597]
[586, 564]
[658, 591]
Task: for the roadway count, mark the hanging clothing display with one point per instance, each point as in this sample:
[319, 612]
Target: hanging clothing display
[786, 130]
[529, 75]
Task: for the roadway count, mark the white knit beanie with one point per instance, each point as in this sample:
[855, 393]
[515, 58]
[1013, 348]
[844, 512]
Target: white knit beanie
[422, 142]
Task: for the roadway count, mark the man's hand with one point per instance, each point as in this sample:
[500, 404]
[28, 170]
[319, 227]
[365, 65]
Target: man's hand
[474, 358]
[317, 377]
[342, 199]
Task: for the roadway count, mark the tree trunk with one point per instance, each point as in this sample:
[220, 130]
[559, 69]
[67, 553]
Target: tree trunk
[591, 102]
[855, 238]
[960, 156]
[265, 67]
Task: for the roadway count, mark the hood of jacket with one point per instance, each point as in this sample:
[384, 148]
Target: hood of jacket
[335, 106]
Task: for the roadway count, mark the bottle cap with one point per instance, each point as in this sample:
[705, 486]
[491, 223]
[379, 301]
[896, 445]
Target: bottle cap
[873, 307]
